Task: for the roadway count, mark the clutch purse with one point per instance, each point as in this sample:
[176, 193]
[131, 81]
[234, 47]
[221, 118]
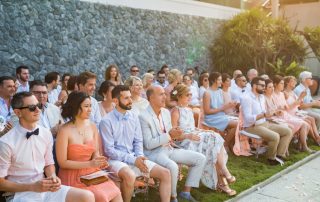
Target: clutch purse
[94, 178]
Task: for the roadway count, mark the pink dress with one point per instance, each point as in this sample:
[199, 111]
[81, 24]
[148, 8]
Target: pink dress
[278, 101]
[103, 192]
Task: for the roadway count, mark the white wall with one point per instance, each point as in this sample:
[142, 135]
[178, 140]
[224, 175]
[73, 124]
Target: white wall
[302, 15]
[187, 7]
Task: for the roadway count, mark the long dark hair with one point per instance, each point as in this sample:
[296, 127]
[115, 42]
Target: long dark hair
[73, 105]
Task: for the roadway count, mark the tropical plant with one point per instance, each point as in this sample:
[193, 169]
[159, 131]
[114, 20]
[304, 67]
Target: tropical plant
[294, 69]
[253, 40]
[313, 37]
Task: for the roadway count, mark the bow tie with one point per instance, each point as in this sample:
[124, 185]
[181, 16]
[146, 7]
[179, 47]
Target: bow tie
[35, 132]
[243, 90]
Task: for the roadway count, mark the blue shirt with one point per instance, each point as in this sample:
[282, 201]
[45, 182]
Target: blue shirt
[121, 136]
[299, 89]
[5, 111]
[22, 88]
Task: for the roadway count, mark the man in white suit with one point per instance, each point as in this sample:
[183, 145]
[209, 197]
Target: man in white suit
[158, 146]
[50, 116]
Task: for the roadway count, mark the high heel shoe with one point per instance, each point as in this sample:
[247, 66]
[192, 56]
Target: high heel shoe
[224, 187]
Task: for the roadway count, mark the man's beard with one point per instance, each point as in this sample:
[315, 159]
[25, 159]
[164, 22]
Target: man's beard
[23, 79]
[124, 107]
[260, 91]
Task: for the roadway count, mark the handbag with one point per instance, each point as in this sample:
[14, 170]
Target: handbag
[94, 178]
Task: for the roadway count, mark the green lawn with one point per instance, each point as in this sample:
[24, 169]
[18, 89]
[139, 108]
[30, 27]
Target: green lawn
[248, 171]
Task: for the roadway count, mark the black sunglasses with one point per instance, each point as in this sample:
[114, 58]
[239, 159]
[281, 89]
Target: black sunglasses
[32, 108]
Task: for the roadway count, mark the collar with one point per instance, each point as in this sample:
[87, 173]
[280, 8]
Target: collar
[253, 96]
[23, 130]
[120, 116]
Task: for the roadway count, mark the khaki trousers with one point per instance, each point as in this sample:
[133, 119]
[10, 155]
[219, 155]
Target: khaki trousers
[277, 136]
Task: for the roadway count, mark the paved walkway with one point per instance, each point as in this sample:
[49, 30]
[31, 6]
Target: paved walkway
[301, 185]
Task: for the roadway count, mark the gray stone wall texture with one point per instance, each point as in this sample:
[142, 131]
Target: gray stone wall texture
[73, 36]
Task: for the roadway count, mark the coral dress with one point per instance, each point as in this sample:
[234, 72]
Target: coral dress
[77, 152]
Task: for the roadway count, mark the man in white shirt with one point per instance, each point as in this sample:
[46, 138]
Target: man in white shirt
[87, 83]
[235, 74]
[53, 80]
[22, 74]
[239, 88]
[161, 79]
[254, 121]
[252, 73]
[191, 73]
[27, 170]
[7, 90]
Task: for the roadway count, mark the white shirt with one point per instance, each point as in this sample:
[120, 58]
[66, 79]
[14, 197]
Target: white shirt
[202, 90]
[5, 111]
[236, 92]
[95, 115]
[22, 88]
[164, 85]
[53, 96]
[251, 106]
[23, 160]
[195, 96]
[233, 83]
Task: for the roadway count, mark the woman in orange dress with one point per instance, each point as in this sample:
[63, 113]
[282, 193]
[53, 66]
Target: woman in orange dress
[77, 148]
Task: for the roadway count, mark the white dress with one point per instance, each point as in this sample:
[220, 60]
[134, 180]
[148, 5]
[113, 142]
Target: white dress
[210, 145]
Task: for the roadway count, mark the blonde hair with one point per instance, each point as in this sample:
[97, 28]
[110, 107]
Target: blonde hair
[145, 77]
[178, 91]
[287, 80]
[131, 80]
[173, 75]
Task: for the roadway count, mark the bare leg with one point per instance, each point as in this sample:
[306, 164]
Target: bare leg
[231, 130]
[303, 137]
[117, 199]
[81, 195]
[164, 176]
[128, 178]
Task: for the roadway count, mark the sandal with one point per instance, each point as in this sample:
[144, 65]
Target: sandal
[231, 179]
[226, 189]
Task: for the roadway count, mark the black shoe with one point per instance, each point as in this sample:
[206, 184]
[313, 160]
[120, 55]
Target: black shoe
[273, 162]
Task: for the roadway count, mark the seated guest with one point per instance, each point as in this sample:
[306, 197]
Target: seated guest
[204, 85]
[254, 121]
[122, 142]
[71, 86]
[225, 85]
[138, 103]
[7, 90]
[147, 81]
[87, 83]
[112, 74]
[174, 77]
[106, 105]
[309, 104]
[252, 73]
[50, 117]
[22, 74]
[195, 100]
[158, 146]
[77, 149]
[294, 102]
[30, 145]
[52, 80]
[214, 107]
[275, 100]
[161, 79]
[239, 88]
[134, 70]
[191, 73]
[216, 174]
[234, 76]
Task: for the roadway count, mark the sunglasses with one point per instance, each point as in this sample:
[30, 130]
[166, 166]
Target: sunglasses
[32, 108]
[135, 70]
[40, 92]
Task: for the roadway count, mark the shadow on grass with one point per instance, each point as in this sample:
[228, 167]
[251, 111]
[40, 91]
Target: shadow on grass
[248, 171]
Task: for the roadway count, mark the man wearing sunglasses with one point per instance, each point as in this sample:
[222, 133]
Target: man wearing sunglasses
[27, 170]
[161, 79]
[50, 116]
[239, 88]
[255, 121]
[134, 70]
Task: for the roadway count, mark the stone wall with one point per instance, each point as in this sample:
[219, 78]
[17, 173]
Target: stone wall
[72, 36]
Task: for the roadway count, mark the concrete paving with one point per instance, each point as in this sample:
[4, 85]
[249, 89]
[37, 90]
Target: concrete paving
[301, 184]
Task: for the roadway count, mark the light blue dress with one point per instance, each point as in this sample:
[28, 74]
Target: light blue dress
[218, 120]
[210, 144]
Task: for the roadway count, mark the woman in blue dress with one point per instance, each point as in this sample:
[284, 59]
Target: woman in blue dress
[214, 107]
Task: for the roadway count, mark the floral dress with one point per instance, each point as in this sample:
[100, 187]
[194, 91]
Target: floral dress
[210, 145]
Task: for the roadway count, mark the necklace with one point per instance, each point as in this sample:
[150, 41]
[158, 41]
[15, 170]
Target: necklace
[81, 133]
